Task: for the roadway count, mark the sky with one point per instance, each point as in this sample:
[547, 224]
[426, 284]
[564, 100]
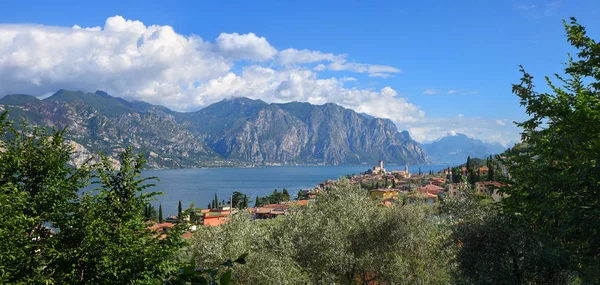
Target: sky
[433, 67]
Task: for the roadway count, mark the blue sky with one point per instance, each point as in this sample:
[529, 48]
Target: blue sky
[433, 67]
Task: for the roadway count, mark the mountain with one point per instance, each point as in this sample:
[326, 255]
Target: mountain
[237, 131]
[456, 149]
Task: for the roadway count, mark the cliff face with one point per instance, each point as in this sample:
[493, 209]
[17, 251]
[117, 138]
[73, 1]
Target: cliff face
[230, 132]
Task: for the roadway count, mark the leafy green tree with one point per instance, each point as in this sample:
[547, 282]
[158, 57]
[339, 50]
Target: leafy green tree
[237, 200]
[555, 176]
[107, 240]
[37, 193]
[484, 238]
[344, 238]
[285, 195]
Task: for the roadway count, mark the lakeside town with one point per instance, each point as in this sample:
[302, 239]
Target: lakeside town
[385, 187]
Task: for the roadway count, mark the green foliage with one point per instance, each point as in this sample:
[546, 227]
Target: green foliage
[342, 239]
[274, 198]
[485, 239]
[107, 241]
[239, 200]
[37, 189]
[556, 172]
[285, 195]
[191, 274]
[50, 235]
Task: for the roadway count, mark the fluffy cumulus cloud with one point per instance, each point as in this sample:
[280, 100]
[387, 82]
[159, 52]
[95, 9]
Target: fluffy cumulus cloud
[154, 63]
[248, 46]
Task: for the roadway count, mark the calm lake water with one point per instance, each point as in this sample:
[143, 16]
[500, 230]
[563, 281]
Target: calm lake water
[199, 186]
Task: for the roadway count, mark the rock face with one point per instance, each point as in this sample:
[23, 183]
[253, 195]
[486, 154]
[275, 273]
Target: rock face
[237, 131]
[456, 149]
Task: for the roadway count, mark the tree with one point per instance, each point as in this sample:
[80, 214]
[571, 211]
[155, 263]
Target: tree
[469, 164]
[343, 238]
[216, 201]
[160, 214]
[555, 176]
[237, 199]
[245, 205]
[37, 188]
[420, 171]
[394, 183]
[107, 240]
[208, 206]
[488, 239]
[491, 169]
[285, 196]
[275, 197]
[179, 211]
[256, 202]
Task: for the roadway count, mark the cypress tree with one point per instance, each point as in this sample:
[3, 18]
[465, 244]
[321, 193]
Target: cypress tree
[160, 214]
[469, 166]
[216, 201]
[245, 204]
[208, 206]
[393, 183]
[256, 202]
[179, 211]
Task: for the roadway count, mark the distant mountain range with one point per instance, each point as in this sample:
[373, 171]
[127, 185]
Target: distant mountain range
[456, 148]
[236, 131]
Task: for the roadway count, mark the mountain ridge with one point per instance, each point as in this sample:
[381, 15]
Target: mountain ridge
[455, 148]
[234, 131]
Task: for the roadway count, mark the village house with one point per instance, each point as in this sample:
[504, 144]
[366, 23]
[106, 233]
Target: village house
[216, 218]
[382, 194]
[483, 170]
[490, 188]
[431, 188]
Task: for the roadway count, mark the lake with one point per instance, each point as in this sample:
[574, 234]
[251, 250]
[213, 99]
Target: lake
[199, 185]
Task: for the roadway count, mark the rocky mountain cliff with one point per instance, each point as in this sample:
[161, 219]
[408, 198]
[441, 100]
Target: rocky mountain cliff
[236, 131]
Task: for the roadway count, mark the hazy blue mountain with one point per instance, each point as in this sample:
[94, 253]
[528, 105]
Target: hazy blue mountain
[230, 132]
[456, 149]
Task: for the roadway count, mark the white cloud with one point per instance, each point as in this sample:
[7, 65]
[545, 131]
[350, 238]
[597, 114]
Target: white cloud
[500, 123]
[453, 91]
[154, 63]
[338, 62]
[430, 91]
[248, 46]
